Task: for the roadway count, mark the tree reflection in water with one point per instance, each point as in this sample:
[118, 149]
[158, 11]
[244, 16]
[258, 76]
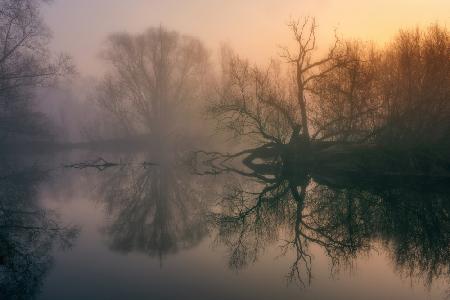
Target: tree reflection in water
[157, 209]
[162, 209]
[346, 216]
[28, 233]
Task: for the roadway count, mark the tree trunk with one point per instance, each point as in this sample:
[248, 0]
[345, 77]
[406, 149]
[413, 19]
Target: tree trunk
[302, 103]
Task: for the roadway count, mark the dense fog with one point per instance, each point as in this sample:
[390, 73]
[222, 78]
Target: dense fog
[142, 139]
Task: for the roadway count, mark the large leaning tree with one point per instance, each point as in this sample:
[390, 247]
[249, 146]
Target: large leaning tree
[25, 63]
[265, 103]
[153, 77]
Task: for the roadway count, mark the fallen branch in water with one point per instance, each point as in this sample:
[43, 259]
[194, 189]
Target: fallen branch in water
[101, 164]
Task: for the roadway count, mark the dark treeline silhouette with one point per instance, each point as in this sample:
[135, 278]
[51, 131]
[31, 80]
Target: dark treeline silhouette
[28, 233]
[397, 95]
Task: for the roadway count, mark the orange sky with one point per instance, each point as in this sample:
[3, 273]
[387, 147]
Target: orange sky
[254, 28]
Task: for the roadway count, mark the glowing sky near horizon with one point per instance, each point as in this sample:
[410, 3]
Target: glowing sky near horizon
[254, 28]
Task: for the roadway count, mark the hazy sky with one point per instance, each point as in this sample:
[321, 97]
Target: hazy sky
[255, 28]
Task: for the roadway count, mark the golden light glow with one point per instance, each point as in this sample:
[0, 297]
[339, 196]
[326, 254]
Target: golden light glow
[255, 28]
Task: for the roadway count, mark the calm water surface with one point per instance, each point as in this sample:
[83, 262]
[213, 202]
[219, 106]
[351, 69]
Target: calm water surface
[162, 232]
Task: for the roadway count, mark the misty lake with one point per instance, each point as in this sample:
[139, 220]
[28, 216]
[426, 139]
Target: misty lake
[163, 231]
[224, 150]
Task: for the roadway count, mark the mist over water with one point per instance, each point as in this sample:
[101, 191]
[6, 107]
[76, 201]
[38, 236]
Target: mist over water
[162, 231]
[181, 170]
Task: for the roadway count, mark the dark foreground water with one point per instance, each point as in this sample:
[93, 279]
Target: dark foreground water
[162, 232]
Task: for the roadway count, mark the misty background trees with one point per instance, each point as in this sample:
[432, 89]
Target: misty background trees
[25, 63]
[154, 81]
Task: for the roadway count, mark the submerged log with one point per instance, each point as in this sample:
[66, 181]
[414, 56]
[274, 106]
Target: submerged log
[99, 164]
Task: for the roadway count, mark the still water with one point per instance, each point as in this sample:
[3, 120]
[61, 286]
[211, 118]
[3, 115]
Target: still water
[166, 231]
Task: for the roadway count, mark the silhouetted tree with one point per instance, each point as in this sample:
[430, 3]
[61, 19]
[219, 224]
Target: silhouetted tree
[415, 88]
[253, 102]
[308, 68]
[25, 63]
[393, 96]
[266, 104]
[348, 105]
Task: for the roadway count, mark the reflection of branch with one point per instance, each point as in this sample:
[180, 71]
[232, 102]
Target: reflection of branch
[262, 199]
[217, 162]
[250, 218]
[102, 164]
[343, 221]
[28, 233]
[301, 253]
[99, 164]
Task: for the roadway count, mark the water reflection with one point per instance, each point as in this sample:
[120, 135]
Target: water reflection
[155, 209]
[269, 202]
[28, 233]
[246, 204]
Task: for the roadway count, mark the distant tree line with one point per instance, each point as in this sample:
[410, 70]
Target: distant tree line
[396, 95]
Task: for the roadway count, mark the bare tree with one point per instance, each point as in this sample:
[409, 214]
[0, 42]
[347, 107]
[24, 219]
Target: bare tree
[253, 102]
[264, 102]
[415, 88]
[348, 105]
[391, 96]
[307, 67]
[152, 75]
[25, 63]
